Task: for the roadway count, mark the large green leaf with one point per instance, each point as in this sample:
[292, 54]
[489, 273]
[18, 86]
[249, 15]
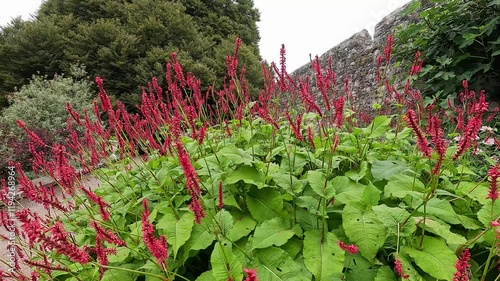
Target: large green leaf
[438, 208]
[225, 265]
[206, 276]
[401, 185]
[384, 170]
[442, 230]
[322, 255]
[371, 195]
[264, 204]
[234, 155]
[122, 275]
[364, 229]
[271, 232]
[473, 190]
[347, 190]
[378, 127]
[288, 182]
[385, 273]
[393, 218]
[435, 258]
[247, 174]
[294, 163]
[242, 227]
[176, 230]
[319, 184]
[201, 236]
[489, 212]
[276, 265]
[224, 222]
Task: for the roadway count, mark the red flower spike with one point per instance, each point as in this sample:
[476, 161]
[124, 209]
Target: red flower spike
[398, 267]
[251, 274]
[99, 202]
[310, 137]
[157, 247]
[423, 144]
[106, 235]
[494, 174]
[192, 181]
[462, 266]
[339, 112]
[220, 203]
[33, 137]
[353, 249]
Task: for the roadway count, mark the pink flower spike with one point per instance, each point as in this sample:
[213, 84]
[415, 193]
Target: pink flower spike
[494, 174]
[352, 249]
[251, 274]
[462, 266]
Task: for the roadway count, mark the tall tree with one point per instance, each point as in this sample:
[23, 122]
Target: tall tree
[127, 42]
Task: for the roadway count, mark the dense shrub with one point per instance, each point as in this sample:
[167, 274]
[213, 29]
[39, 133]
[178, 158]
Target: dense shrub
[42, 106]
[268, 189]
[458, 40]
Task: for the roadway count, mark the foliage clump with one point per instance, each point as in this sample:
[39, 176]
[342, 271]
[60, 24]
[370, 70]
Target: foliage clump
[458, 40]
[42, 106]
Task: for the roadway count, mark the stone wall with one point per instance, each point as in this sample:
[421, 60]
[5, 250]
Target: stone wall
[356, 57]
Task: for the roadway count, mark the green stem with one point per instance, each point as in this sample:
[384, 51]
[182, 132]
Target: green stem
[487, 264]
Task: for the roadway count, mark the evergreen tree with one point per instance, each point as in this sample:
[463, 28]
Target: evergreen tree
[128, 42]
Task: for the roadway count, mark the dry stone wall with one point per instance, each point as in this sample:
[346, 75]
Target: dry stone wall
[356, 57]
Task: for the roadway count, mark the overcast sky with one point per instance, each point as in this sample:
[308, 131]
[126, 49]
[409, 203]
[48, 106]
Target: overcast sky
[305, 27]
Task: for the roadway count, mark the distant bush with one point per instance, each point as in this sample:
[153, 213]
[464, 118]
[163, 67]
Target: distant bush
[42, 106]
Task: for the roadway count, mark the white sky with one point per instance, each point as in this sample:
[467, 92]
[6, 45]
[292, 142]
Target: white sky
[305, 27]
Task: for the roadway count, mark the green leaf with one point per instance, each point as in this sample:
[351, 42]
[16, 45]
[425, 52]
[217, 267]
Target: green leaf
[385, 273]
[206, 276]
[322, 257]
[225, 264]
[294, 163]
[364, 229]
[225, 222]
[358, 175]
[488, 213]
[201, 236]
[122, 255]
[117, 274]
[473, 190]
[247, 174]
[440, 209]
[371, 195]
[276, 265]
[393, 218]
[271, 232]
[242, 227]
[409, 269]
[264, 204]
[319, 184]
[384, 170]
[176, 230]
[234, 155]
[435, 258]
[441, 230]
[401, 185]
[378, 127]
[347, 190]
[288, 182]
